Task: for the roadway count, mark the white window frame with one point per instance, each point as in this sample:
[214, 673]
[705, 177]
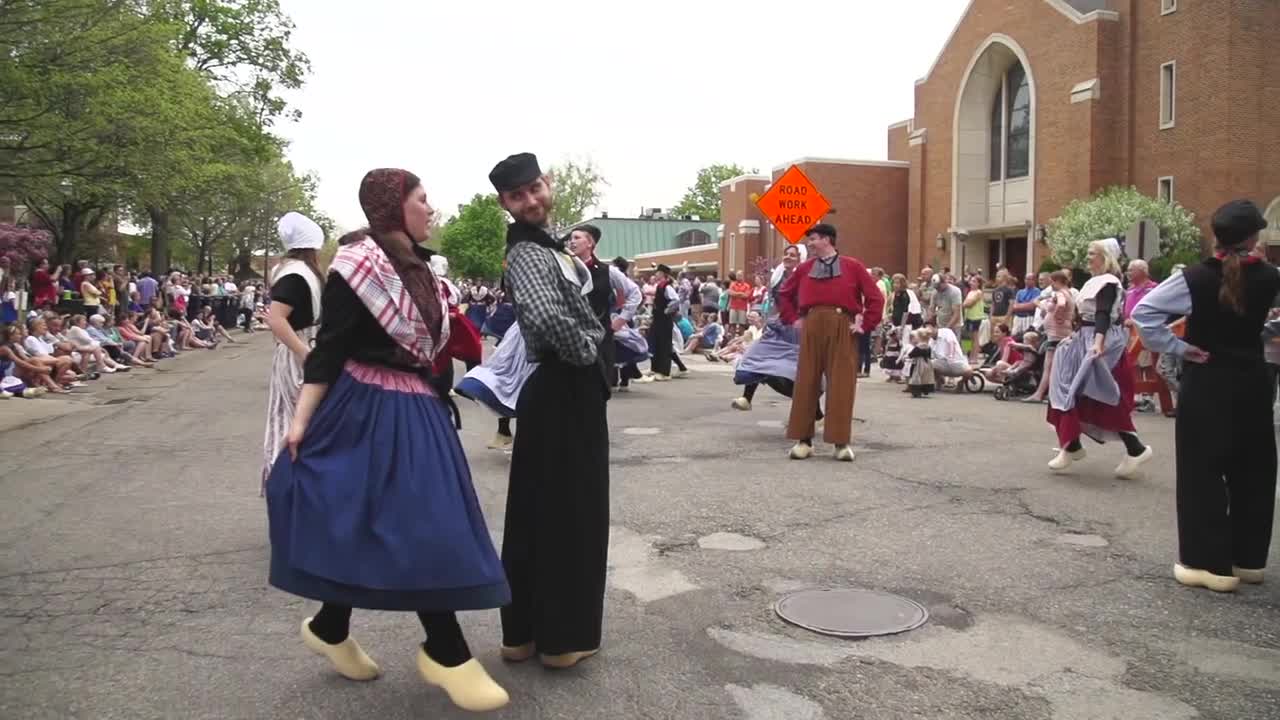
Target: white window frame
[1160, 185]
[1171, 94]
[1168, 7]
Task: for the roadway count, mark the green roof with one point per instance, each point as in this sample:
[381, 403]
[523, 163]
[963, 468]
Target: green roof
[629, 237]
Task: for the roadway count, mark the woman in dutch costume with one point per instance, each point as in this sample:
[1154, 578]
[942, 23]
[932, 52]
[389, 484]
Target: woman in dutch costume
[1092, 388]
[296, 284]
[372, 506]
[772, 360]
[1226, 443]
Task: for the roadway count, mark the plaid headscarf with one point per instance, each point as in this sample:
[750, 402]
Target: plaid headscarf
[382, 195]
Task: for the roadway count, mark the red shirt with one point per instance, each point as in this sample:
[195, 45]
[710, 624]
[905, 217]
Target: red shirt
[740, 303]
[854, 290]
[43, 288]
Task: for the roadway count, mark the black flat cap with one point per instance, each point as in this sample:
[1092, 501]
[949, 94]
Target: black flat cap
[663, 269]
[823, 229]
[1237, 221]
[516, 170]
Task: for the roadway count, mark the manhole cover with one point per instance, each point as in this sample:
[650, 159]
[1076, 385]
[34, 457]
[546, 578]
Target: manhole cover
[851, 613]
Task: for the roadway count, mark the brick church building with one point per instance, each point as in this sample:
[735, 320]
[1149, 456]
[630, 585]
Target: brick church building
[1033, 103]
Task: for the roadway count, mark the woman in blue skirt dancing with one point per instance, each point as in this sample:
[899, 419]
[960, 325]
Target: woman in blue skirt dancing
[772, 360]
[372, 505]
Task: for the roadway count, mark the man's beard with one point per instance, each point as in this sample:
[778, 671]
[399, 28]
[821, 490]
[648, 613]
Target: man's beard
[537, 214]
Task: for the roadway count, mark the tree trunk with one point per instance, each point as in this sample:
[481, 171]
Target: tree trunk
[159, 240]
[69, 233]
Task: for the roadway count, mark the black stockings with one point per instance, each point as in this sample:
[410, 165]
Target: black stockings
[1132, 444]
[445, 642]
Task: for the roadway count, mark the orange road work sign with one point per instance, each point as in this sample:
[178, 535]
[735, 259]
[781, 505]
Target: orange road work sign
[793, 204]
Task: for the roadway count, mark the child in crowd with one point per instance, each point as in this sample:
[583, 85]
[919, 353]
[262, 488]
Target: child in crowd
[921, 381]
[891, 361]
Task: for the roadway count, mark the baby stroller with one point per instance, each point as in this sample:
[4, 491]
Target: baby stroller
[1021, 383]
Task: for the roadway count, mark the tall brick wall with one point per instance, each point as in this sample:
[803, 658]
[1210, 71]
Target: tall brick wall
[737, 248]
[870, 203]
[898, 149]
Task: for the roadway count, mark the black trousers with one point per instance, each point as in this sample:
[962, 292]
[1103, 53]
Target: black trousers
[555, 541]
[608, 352]
[1226, 465]
[661, 331]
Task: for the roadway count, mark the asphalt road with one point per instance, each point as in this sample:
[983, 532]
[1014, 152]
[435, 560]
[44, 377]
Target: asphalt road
[133, 561]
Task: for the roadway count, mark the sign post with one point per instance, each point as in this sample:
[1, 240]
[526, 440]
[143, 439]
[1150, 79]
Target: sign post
[793, 204]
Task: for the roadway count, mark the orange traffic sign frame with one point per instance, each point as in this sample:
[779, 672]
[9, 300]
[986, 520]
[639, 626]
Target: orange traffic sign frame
[793, 204]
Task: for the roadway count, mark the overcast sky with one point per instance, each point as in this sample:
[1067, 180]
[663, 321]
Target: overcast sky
[650, 92]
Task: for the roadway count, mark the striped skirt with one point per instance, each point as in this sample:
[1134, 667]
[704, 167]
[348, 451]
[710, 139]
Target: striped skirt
[282, 398]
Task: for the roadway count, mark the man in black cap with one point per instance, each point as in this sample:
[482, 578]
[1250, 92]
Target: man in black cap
[665, 305]
[1225, 441]
[610, 290]
[556, 537]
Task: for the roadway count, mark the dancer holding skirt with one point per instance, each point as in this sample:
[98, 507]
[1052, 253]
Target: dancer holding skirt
[372, 506]
[1092, 388]
[295, 311]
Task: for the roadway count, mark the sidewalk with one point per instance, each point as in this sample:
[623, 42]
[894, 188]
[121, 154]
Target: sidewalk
[98, 397]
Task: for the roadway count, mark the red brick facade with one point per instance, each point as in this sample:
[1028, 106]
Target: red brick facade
[1094, 87]
[744, 231]
[1224, 142]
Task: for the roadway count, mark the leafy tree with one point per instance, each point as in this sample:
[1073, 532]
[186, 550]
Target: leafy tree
[474, 240]
[240, 47]
[577, 190]
[1111, 213]
[703, 197]
[243, 46]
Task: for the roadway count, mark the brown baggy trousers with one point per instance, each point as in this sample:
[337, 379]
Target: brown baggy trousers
[827, 348]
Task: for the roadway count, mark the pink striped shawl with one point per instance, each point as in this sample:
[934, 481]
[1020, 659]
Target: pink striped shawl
[365, 267]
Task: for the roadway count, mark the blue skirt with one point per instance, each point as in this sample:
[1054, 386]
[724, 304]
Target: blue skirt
[775, 355]
[472, 389]
[500, 321]
[378, 511]
[478, 314]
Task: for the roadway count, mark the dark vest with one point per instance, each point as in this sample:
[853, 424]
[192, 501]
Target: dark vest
[1231, 339]
[660, 301]
[601, 296]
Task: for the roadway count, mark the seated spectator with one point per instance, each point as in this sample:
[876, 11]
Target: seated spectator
[733, 348]
[208, 328]
[1006, 353]
[43, 340]
[14, 362]
[187, 339]
[130, 352]
[131, 329]
[706, 338]
[135, 302]
[79, 336]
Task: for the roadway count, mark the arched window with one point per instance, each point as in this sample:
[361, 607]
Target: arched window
[1011, 127]
[997, 135]
[692, 237]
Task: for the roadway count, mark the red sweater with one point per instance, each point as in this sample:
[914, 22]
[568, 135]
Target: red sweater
[854, 290]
